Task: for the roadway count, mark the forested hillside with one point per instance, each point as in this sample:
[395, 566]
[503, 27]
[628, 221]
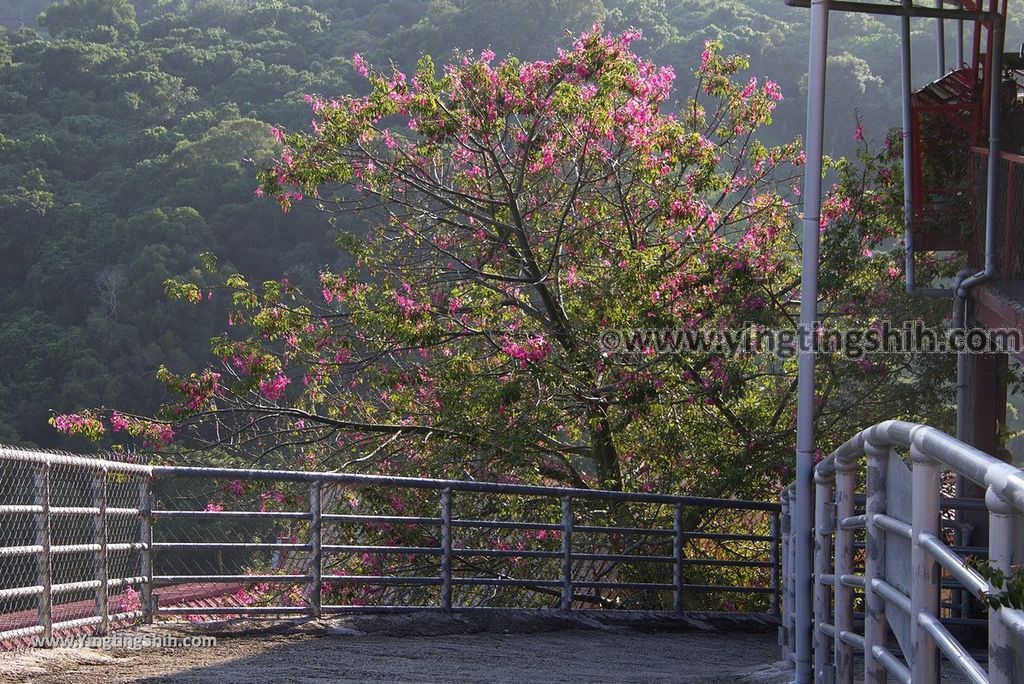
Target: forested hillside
[131, 133]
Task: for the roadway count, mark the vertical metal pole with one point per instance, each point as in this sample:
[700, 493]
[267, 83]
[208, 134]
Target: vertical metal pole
[1002, 533]
[824, 527]
[802, 512]
[446, 550]
[677, 556]
[146, 539]
[924, 581]
[993, 81]
[315, 548]
[787, 572]
[566, 553]
[960, 41]
[845, 481]
[100, 563]
[940, 43]
[791, 579]
[44, 577]
[875, 625]
[775, 559]
[908, 152]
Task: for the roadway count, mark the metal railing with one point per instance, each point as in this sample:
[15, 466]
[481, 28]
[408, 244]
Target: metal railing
[897, 556]
[156, 541]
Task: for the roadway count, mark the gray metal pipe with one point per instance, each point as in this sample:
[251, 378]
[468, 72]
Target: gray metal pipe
[908, 150]
[960, 41]
[802, 513]
[996, 68]
[940, 43]
[965, 282]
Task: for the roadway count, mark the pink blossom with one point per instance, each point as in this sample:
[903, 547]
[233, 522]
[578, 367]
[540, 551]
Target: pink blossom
[772, 90]
[273, 389]
[75, 424]
[118, 421]
[361, 67]
[749, 89]
[128, 601]
[536, 348]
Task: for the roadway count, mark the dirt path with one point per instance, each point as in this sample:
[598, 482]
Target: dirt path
[420, 648]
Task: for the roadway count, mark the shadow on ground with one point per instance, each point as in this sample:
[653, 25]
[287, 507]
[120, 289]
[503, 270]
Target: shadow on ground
[430, 647]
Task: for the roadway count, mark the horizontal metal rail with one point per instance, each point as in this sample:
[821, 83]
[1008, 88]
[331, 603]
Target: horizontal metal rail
[894, 665]
[287, 515]
[390, 519]
[16, 509]
[362, 480]
[35, 549]
[952, 649]
[171, 580]
[68, 587]
[84, 463]
[239, 546]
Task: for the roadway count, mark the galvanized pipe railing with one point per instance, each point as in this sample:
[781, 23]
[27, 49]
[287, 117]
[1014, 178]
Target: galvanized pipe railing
[915, 658]
[567, 584]
[135, 495]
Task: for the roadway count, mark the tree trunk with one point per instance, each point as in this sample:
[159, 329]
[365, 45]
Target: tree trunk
[602, 448]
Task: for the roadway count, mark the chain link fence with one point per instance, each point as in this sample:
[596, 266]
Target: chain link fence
[93, 543]
[71, 546]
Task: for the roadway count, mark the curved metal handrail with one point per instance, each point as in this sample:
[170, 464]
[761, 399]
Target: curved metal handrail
[930, 451]
[1006, 481]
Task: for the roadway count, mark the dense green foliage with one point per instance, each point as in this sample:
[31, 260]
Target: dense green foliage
[130, 133]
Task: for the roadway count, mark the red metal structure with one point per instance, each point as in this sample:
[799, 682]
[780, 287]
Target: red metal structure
[949, 123]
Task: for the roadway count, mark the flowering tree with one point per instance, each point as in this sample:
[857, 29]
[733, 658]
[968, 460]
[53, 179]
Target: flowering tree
[523, 219]
[519, 213]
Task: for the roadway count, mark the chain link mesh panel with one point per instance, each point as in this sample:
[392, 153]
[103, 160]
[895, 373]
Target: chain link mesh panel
[70, 543]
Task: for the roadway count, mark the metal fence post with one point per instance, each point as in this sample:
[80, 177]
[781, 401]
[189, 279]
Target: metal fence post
[1002, 533]
[44, 577]
[824, 526]
[677, 555]
[316, 548]
[446, 550]
[846, 476]
[875, 624]
[101, 559]
[787, 569]
[566, 603]
[146, 539]
[775, 558]
[924, 582]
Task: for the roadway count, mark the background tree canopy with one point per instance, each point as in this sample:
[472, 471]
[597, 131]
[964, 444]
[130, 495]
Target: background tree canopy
[130, 134]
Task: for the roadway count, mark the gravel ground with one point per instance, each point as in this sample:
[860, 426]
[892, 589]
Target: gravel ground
[427, 648]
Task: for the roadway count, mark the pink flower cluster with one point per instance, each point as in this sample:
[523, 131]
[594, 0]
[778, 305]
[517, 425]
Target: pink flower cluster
[159, 434]
[128, 601]
[273, 389]
[76, 424]
[534, 349]
[406, 303]
[118, 421]
[199, 390]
